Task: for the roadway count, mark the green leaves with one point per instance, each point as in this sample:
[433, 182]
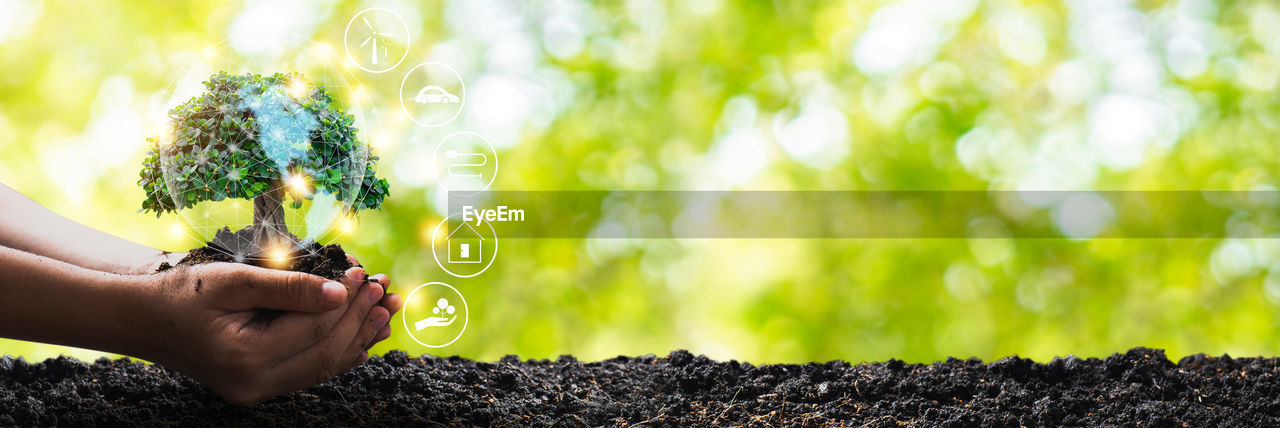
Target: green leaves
[248, 131]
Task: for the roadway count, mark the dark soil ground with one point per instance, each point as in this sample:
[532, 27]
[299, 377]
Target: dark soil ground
[1138, 387]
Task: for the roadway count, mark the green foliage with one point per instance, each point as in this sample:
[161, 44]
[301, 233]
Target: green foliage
[249, 132]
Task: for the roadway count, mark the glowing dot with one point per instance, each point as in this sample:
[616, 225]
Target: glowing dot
[346, 225]
[298, 88]
[357, 93]
[298, 183]
[324, 50]
[428, 233]
[210, 51]
[380, 141]
[166, 138]
[175, 229]
[278, 254]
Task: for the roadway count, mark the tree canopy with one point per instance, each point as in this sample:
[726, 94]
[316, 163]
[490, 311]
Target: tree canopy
[247, 133]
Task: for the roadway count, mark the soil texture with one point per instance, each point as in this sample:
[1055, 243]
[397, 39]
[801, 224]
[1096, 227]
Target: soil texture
[1138, 387]
[328, 261]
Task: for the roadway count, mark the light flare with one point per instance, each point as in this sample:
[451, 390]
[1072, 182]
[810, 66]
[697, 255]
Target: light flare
[298, 183]
[380, 141]
[278, 255]
[428, 235]
[298, 88]
[357, 94]
[324, 50]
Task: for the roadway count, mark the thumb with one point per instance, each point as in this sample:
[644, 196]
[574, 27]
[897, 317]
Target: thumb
[287, 291]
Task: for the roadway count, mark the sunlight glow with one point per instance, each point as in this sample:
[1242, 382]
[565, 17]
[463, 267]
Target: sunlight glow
[298, 183]
[324, 50]
[380, 141]
[357, 94]
[428, 235]
[278, 255]
[298, 88]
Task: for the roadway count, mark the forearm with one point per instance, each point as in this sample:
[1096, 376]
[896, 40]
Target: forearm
[46, 300]
[26, 225]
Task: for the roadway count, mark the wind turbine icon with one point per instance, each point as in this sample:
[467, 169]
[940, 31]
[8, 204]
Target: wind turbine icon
[376, 38]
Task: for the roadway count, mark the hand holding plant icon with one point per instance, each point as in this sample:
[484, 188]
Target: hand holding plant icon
[446, 316]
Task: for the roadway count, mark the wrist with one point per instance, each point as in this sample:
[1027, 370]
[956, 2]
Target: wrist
[51, 301]
[131, 315]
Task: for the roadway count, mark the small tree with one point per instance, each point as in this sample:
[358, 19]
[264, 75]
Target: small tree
[261, 138]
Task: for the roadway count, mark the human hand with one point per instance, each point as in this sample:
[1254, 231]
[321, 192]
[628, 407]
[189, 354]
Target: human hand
[205, 324]
[391, 301]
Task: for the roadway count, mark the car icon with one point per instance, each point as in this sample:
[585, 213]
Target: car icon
[435, 95]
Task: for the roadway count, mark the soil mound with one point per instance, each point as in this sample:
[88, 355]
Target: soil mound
[329, 261]
[1140, 386]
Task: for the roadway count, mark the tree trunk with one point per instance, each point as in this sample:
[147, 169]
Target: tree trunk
[269, 230]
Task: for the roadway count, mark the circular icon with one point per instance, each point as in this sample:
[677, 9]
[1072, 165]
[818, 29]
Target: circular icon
[469, 251]
[432, 94]
[379, 34]
[435, 314]
[465, 162]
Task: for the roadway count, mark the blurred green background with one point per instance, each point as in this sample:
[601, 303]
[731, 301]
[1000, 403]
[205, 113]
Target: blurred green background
[740, 95]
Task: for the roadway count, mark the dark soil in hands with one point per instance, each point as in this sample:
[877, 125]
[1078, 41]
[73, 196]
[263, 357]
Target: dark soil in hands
[1138, 387]
[328, 261]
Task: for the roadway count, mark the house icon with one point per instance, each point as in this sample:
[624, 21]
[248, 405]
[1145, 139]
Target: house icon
[465, 244]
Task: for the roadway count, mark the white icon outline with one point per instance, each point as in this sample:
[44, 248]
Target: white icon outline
[454, 154]
[432, 94]
[464, 248]
[435, 254]
[466, 316]
[461, 96]
[347, 47]
[374, 37]
[445, 316]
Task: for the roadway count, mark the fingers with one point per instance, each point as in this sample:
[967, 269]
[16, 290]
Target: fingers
[328, 357]
[353, 278]
[382, 335]
[357, 350]
[352, 259]
[295, 331]
[258, 288]
[393, 302]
